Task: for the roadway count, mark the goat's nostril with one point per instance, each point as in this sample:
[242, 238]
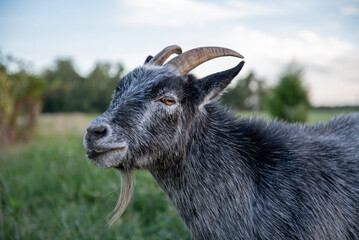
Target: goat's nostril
[97, 132]
[100, 131]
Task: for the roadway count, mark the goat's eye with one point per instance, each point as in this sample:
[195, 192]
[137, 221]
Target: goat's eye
[168, 101]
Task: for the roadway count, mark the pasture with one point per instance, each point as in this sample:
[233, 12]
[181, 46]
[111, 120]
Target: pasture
[48, 190]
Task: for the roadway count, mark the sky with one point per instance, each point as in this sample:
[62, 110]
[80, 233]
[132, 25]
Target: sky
[321, 36]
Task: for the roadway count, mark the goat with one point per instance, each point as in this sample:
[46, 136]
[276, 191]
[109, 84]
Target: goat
[228, 177]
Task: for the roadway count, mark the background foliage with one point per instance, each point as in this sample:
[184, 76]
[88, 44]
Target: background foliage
[289, 100]
[59, 89]
[247, 94]
[21, 100]
[83, 94]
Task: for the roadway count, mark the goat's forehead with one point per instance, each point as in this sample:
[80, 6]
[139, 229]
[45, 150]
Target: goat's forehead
[147, 77]
[150, 74]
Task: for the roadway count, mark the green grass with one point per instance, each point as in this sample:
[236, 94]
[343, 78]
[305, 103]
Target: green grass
[48, 190]
[325, 115]
[314, 115]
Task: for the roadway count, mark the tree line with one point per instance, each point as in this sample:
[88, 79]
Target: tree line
[287, 99]
[77, 93]
[60, 88]
[24, 94]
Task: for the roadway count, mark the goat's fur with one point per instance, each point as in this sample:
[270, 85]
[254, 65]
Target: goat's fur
[230, 177]
[272, 180]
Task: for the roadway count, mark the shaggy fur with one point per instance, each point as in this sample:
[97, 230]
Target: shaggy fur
[230, 178]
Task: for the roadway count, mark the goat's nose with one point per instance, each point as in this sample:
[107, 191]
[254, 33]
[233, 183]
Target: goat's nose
[97, 132]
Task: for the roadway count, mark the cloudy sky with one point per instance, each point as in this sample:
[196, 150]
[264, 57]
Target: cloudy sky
[322, 36]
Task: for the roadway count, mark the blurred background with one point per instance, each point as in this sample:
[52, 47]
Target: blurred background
[61, 60]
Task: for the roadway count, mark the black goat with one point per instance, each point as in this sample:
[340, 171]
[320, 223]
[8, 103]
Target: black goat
[229, 178]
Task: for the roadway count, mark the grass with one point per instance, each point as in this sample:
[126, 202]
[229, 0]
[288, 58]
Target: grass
[314, 115]
[48, 190]
[327, 114]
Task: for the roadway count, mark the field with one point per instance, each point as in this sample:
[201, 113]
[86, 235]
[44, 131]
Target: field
[48, 190]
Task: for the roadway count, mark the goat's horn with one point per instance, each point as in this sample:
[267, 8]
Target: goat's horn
[187, 61]
[162, 56]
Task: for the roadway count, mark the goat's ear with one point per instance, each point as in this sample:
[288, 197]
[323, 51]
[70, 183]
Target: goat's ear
[148, 59]
[214, 84]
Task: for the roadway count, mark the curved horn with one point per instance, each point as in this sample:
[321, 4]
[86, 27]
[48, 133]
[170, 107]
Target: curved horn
[187, 61]
[162, 56]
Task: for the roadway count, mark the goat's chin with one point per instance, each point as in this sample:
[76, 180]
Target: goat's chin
[108, 159]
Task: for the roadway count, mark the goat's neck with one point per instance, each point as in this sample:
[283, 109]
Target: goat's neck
[209, 184]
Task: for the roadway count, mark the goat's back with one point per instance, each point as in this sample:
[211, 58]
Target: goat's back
[251, 179]
[311, 185]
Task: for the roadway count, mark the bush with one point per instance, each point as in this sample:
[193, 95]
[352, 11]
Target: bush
[21, 99]
[289, 99]
[246, 94]
[81, 94]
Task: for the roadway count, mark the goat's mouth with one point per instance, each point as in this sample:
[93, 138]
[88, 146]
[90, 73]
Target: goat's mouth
[95, 154]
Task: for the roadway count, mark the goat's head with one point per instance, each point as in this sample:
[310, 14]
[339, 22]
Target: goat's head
[152, 108]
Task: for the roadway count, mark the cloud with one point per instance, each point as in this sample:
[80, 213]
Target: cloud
[330, 64]
[350, 10]
[182, 13]
[175, 13]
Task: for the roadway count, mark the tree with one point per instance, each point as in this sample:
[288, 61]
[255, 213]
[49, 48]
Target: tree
[246, 94]
[85, 94]
[21, 99]
[99, 86]
[67, 98]
[22, 93]
[289, 98]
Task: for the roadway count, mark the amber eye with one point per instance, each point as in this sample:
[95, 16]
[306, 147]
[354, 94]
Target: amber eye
[168, 101]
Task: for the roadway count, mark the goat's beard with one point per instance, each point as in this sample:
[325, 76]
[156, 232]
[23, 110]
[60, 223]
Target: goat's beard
[127, 183]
